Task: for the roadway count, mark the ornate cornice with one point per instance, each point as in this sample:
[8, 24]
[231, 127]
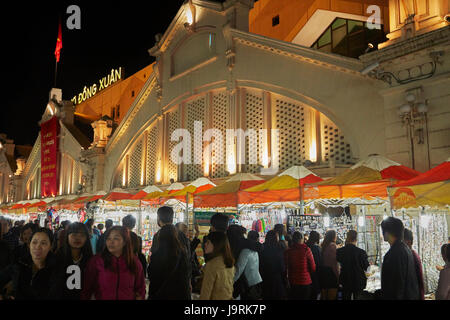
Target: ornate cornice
[131, 114]
[32, 158]
[298, 52]
[424, 41]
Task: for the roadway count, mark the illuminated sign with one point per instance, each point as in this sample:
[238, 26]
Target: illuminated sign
[49, 157]
[105, 82]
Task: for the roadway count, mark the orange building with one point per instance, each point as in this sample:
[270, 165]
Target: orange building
[115, 100]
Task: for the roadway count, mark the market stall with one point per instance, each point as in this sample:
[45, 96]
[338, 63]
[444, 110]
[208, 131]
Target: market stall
[263, 206]
[425, 202]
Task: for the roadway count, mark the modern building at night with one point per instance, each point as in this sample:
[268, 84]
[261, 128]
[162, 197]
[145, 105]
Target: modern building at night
[339, 82]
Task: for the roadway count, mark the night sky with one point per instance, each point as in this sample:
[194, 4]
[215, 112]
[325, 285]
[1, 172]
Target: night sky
[112, 35]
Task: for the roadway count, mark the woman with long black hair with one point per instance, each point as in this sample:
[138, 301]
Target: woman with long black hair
[329, 271]
[75, 251]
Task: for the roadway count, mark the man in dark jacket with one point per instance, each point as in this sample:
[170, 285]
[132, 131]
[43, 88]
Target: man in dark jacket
[102, 240]
[408, 239]
[398, 272]
[354, 264]
[178, 286]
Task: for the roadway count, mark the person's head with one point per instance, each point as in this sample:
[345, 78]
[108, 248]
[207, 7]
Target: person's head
[108, 224]
[4, 226]
[253, 236]
[408, 237]
[36, 222]
[352, 237]
[392, 229]
[280, 229]
[445, 252]
[41, 244]
[183, 228]
[218, 245]
[129, 222]
[118, 244]
[314, 238]
[26, 232]
[272, 239]
[65, 223]
[235, 234]
[297, 237]
[77, 238]
[330, 236]
[100, 226]
[164, 216]
[16, 223]
[448, 240]
[219, 222]
[90, 223]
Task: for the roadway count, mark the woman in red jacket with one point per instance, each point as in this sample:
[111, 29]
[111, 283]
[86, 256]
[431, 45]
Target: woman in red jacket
[300, 264]
[116, 273]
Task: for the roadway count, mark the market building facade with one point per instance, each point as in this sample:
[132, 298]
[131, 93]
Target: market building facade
[228, 66]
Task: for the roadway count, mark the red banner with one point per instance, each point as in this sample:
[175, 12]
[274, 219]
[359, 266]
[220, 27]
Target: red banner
[49, 157]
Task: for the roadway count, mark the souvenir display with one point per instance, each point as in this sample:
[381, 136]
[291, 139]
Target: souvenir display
[262, 220]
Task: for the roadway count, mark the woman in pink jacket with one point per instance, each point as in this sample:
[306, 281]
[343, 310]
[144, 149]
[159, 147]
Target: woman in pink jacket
[116, 273]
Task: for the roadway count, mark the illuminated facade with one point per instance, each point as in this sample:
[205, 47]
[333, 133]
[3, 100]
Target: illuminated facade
[235, 65]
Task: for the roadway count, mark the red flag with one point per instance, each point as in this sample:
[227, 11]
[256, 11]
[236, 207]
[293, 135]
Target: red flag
[58, 42]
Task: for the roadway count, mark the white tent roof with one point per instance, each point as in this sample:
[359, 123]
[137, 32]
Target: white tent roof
[297, 172]
[150, 189]
[175, 186]
[201, 182]
[376, 162]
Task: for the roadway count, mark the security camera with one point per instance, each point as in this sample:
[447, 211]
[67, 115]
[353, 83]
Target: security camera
[447, 18]
[370, 68]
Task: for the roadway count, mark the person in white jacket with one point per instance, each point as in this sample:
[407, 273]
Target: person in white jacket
[443, 289]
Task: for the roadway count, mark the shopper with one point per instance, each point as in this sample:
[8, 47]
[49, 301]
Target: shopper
[273, 270]
[102, 240]
[60, 236]
[93, 237]
[25, 237]
[443, 288]
[219, 223]
[76, 250]
[408, 239]
[329, 271]
[100, 228]
[8, 234]
[195, 265]
[300, 264]
[354, 264]
[247, 265]
[169, 269]
[129, 222]
[280, 229]
[313, 244]
[32, 276]
[115, 273]
[398, 273]
[6, 255]
[219, 271]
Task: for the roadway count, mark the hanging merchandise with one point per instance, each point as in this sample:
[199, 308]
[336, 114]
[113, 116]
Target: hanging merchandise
[262, 219]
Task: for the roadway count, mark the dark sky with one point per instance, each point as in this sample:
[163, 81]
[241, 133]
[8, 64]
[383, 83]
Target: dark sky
[112, 35]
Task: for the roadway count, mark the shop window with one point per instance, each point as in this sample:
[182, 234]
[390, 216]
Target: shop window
[275, 20]
[132, 93]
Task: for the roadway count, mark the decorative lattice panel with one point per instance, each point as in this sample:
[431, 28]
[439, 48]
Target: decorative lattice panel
[195, 112]
[254, 116]
[136, 166]
[75, 176]
[174, 124]
[290, 121]
[118, 177]
[219, 123]
[152, 149]
[334, 146]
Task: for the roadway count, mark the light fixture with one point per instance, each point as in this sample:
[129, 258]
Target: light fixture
[410, 97]
[405, 108]
[422, 107]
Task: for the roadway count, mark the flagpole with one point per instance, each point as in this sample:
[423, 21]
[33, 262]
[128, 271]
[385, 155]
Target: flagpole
[56, 71]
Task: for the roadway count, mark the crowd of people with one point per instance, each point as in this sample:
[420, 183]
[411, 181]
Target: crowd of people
[84, 262]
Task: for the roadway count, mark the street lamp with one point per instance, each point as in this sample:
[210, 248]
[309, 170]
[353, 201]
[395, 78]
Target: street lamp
[414, 115]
